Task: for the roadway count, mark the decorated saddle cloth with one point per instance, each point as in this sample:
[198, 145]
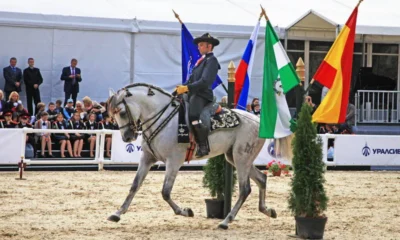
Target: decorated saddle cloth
[224, 119]
[212, 116]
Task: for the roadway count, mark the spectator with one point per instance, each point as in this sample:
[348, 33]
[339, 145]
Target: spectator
[90, 106]
[69, 109]
[13, 76]
[308, 100]
[77, 138]
[71, 76]
[253, 103]
[30, 138]
[33, 79]
[107, 124]
[8, 122]
[248, 108]
[331, 149]
[59, 108]
[45, 138]
[79, 109]
[256, 109]
[91, 125]
[19, 110]
[52, 112]
[13, 99]
[3, 105]
[40, 108]
[63, 138]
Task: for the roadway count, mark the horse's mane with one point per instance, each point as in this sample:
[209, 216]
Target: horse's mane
[111, 100]
[148, 86]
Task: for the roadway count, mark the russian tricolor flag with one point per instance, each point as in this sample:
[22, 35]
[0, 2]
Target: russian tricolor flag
[243, 72]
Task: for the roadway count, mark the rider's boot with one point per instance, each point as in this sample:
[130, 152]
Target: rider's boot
[201, 135]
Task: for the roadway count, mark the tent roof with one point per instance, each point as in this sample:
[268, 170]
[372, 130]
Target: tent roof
[221, 15]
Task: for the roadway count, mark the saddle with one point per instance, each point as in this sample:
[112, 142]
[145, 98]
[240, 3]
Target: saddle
[213, 116]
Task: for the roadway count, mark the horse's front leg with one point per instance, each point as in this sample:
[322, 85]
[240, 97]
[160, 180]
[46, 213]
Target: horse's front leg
[172, 169]
[146, 161]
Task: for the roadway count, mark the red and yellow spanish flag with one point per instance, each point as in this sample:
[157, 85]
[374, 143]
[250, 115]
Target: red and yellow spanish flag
[335, 74]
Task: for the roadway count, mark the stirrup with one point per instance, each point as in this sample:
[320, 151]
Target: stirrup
[201, 151]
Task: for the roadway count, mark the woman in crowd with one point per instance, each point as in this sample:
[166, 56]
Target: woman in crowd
[75, 123]
[63, 138]
[12, 100]
[45, 138]
[90, 106]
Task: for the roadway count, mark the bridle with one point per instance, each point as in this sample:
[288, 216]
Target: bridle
[135, 127]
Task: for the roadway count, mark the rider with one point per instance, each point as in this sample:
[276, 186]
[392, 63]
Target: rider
[199, 87]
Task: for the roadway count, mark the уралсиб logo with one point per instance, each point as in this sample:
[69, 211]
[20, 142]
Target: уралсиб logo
[366, 151]
[130, 147]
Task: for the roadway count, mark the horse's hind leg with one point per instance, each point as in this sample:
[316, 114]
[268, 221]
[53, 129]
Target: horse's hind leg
[261, 180]
[146, 161]
[243, 170]
[172, 169]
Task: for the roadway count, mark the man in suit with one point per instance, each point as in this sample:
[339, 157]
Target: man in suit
[199, 88]
[71, 76]
[13, 76]
[33, 79]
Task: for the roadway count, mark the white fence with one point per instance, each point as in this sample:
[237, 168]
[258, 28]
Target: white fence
[12, 148]
[378, 106]
[349, 150]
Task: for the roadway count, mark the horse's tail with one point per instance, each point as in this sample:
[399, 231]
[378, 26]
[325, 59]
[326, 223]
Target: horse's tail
[283, 147]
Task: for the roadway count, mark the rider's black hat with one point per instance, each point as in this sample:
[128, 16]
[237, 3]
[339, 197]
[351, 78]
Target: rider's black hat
[206, 37]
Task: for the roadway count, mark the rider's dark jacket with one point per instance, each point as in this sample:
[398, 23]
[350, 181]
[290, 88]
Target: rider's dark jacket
[203, 76]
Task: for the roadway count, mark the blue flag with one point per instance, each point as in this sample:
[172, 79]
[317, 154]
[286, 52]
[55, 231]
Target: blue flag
[190, 55]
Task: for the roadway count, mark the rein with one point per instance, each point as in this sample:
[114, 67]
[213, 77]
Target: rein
[135, 127]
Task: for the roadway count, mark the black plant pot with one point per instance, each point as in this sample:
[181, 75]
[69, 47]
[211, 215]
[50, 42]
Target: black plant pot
[310, 228]
[215, 208]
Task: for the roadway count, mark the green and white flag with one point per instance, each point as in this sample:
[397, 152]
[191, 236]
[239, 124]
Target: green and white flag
[279, 78]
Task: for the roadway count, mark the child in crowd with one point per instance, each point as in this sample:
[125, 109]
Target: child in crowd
[45, 138]
[63, 138]
[107, 124]
[75, 123]
[52, 112]
[91, 125]
[59, 108]
[40, 108]
[69, 109]
[79, 109]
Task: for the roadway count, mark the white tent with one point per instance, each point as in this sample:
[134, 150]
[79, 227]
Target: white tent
[122, 41]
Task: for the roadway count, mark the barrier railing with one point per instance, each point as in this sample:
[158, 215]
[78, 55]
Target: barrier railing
[99, 153]
[377, 106]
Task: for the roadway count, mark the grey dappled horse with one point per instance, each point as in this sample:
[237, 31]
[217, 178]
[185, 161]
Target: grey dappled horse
[156, 110]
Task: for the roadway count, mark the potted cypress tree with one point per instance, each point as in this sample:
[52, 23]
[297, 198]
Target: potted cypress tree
[308, 200]
[214, 180]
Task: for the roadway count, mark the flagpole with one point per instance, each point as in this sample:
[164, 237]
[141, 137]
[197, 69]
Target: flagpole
[177, 17]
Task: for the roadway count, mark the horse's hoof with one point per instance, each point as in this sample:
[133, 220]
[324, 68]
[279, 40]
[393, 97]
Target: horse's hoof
[189, 212]
[272, 213]
[114, 218]
[223, 226]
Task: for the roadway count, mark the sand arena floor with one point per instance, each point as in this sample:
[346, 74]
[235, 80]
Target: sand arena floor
[75, 205]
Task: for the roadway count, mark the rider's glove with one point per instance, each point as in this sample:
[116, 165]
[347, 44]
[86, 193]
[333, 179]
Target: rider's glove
[181, 89]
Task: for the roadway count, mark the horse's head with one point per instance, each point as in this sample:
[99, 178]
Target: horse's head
[126, 112]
